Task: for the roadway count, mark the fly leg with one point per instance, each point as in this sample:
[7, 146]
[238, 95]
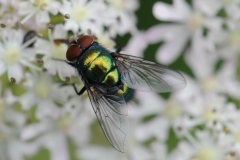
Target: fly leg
[75, 88]
[118, 45]
[78, 92]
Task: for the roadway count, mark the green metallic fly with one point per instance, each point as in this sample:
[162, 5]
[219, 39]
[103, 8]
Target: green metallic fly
[110, 79]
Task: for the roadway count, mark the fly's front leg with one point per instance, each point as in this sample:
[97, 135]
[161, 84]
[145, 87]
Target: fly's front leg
[118, 45]
[79, 92]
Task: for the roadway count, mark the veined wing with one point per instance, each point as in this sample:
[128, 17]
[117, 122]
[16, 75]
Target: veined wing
[112, 115]
[144, 75]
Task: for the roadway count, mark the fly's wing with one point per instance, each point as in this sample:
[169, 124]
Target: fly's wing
[111, 111]
[144, 75]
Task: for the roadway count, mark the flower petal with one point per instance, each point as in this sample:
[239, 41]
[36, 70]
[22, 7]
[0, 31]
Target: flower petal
[169, 51]
[178, 13]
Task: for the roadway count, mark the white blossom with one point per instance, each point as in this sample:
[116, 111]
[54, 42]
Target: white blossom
[14, 54]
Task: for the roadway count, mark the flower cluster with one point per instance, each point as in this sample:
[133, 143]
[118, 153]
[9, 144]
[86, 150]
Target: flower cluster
[40, 111]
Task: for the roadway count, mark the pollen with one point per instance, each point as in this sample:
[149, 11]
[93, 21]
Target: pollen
[11, 56]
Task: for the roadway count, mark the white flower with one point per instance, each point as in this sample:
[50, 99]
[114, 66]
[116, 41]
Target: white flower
[14, 54]
[189, 25]
[43, 93]
[210, 80]
[204, 147]
[211, 7]
[120, 17]
[57, 50]
[136, 45]
[39, 9]
[227, 41]
[160, 152]
[137, 151]
[84, 15]
[213, 111]
[166, 114]
[105, 40]
[53, 134]
[8, 12]
[105, 153]
[11, 122]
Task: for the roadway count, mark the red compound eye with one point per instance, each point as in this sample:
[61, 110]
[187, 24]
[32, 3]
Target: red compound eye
[85, 41]
[73, 52]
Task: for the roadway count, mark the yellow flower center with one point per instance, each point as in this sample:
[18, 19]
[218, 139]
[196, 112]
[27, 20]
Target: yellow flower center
[64, 123]
[78, 14]
[2, 109]
[208, 153]
[106, 41]
[172, 110]
[41, 4]
[234, 40]
[42, 88]
[3, 136]
[11, 56]
[237, 136]
[118, 4]
[209, 114]
[209, 84]
[195, 21]
[227, 1]
[58, 50]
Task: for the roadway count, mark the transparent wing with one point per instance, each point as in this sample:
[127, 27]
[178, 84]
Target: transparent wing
[111, 111]
[144, 75]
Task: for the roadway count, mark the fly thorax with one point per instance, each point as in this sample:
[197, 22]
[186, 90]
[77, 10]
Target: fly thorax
[100, 67]
[96, 63]
[111, 78]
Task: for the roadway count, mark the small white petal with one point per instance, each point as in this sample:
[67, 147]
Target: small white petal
[169, 51]
[15, 72]
[163, 11]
